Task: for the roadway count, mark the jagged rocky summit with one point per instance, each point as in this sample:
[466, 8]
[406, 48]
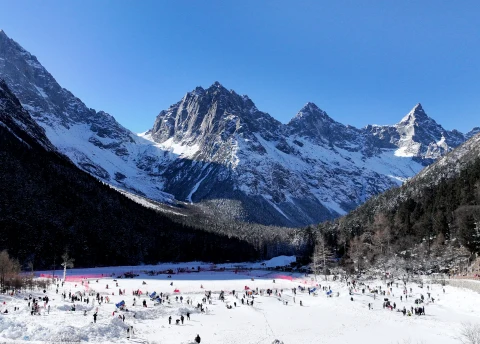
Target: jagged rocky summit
[217, 149]
[302, 172]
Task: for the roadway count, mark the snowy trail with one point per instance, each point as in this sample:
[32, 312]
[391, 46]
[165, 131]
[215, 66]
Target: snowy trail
[197, 185]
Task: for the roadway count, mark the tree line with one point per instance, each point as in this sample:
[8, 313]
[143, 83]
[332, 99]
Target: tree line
[419, 226]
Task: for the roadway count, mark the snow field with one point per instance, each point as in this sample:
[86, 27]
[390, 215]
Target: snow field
[320, 320]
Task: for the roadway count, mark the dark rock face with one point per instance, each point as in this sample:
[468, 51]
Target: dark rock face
[215, 144]
[18, 122]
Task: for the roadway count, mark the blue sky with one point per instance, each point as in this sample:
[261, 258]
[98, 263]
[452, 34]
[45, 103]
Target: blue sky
[361, 61]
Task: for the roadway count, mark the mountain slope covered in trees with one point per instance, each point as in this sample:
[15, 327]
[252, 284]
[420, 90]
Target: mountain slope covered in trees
[49, 205]
[431, 219]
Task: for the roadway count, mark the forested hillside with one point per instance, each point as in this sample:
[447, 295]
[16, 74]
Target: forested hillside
[48, 205]
[433, 220]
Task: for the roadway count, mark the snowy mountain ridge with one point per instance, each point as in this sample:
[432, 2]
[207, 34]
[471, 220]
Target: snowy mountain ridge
[94, 141]
[215, 145]
[307, 170]
[418, 135]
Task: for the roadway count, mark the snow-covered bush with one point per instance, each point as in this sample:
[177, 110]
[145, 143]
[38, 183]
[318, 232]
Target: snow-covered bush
[470, 334]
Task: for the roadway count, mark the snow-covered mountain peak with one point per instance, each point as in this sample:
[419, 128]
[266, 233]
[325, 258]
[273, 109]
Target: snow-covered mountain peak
[311, 106]
[218, 87]
[314, 124]
[311, 111]
[3, 35]
[415, 116]
[417, 135]
[215, 145]
[418, 108]
[418, 126]
[8, 44]
[197, 91]
[94, 141]
[216, 84]
[213, 113]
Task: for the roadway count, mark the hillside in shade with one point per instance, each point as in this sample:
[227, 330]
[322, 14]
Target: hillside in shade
[49, 205]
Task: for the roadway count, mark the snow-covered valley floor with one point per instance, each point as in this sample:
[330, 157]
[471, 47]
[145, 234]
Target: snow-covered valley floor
[321, 319]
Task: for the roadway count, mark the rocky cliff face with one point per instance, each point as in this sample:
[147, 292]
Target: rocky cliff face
[418, 136]
[215, 146]
[93, 140]
[18, 122]
[306, 171]
[313, 123]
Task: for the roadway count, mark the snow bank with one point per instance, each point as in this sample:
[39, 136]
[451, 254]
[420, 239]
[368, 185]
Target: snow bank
[468, 284]
[280, 261]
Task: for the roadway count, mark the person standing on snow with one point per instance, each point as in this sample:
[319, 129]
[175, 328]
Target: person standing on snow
[197, 339]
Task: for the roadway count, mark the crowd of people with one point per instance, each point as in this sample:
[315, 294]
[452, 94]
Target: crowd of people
[390, 294]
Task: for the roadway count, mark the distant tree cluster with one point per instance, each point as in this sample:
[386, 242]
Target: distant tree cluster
[9, 271]
[268, 241]
[12, 279]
